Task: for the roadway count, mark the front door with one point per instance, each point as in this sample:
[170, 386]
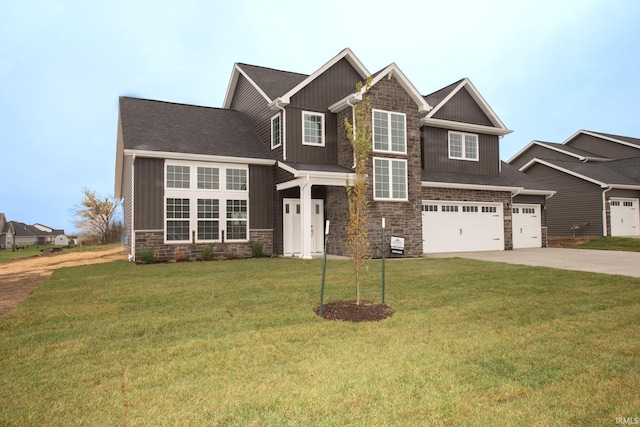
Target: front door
[292, 222]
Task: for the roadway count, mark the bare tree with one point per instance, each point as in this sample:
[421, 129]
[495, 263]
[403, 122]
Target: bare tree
[96, 217]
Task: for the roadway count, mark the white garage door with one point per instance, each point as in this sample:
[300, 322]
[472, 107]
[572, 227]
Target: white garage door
[625, 219]
[461, 226]
[527, 226]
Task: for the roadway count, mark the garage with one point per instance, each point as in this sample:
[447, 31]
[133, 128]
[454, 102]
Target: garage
[462, 226]
[625, 219]
[527, 226]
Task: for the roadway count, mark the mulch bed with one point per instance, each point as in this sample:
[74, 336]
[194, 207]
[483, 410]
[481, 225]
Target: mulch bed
[349, 311]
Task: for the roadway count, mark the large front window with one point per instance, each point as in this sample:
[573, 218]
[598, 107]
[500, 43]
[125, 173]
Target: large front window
[389, 179]
[463, 146]
[312, 128]
[205, 202]
[389, 132]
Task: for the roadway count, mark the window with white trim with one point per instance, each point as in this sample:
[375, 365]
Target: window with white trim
[312, 128]
[389, 132]
[196, 194]
[463, 146]
[276, 131]
[389, 179]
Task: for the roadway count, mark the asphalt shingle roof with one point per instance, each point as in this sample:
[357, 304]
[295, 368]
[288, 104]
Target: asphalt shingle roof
[570, 149]
[274, 83]
[149, 125]
[616, 172]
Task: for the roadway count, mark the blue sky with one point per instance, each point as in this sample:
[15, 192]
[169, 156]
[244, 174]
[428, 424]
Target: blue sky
[548, 68]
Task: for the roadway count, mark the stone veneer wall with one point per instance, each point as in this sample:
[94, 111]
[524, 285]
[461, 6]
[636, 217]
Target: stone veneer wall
[166, 252]
[403, 219]
[455, 194]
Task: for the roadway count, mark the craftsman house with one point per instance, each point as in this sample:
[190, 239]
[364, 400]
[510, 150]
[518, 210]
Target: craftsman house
[271, 167]
[597, 178]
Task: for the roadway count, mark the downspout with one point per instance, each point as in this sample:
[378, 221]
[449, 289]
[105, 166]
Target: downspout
[604, 210]
[284, 128]
[132, 256]
[353, 120]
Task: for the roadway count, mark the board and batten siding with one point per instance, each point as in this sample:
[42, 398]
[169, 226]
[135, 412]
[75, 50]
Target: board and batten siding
[256, 109]
[149, 194]
[463, 108]
[604, 148]
[536, 151]
[435, 152]
[260, 197]
[576, 202]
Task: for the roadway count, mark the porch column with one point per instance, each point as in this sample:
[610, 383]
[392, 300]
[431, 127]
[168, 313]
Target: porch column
[305, 223]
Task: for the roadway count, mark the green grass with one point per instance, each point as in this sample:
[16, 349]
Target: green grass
[237, 343]
[612, 243]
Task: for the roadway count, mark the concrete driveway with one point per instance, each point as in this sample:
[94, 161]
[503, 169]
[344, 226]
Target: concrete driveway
[596, 261]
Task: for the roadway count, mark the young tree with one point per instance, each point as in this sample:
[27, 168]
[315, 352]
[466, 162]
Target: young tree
[96, 216]
[359, 134]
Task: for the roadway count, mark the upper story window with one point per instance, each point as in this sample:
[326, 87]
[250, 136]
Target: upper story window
[463, 146]
[389, 132]
[312, 128]
[208, 178]
[276, 131]
[390, 179]
[236, 179]
[177, 176]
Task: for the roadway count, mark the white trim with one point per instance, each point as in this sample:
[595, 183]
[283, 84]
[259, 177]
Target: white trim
[199, 157]
[554, 148]
[406, 179]
[600, 136]
[463, 147]
[464, 186]
[279, 117]
[464, 127]
[561, 169]
[233, 81]
[389, 133]
[323, 130]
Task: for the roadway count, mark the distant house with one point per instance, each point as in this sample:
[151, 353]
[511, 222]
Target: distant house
[57, 237]
[7, 233]
[272, 165]
[597, 178]
[37, 234]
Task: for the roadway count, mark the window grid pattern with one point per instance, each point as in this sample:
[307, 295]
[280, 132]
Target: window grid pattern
[275, 132]
[236, 219]
[178, 176]
[390, 179]
[208, 178]
[236, 179]
[177, 219]
[463, 146]
[389, 132]
[312, 132]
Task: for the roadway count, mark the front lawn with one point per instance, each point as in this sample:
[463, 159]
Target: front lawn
[612, 244]
[237, 343]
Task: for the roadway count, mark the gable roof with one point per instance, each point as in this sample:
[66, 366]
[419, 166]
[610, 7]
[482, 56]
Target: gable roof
[155, 126]
[445, 94]
[282, 85]
[579, 154]
[391, 70]
[623, 140]
[509, 179]
[621, 174]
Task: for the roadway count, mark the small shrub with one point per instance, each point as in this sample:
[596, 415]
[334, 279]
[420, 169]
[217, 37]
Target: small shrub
[230, 255]
[180, 257]
[207, 253]
[257, 249]
[146, 255]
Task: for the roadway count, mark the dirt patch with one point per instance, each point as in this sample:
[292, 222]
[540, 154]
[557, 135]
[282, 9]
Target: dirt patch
[351, 312]
[566, 242]
[19, 278]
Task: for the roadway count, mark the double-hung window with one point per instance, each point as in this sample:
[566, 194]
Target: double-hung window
[205, 202]
[389, 132]
[312, 128]
[390, 179]
[276, 131]
[463, 146]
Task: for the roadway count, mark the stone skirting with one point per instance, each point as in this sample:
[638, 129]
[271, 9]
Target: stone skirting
[166, 252]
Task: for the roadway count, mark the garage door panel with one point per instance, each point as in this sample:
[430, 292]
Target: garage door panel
[462, 226]
[527, 226]
[625, 219]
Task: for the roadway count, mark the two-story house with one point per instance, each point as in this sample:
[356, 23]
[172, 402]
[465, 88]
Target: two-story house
[597, 178]
[271, 166]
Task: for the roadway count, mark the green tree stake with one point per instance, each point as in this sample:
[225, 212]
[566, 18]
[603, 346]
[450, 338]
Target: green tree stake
[324, 268]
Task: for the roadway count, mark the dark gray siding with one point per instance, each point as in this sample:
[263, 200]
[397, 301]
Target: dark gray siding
[629, 194]
[435, 152]
[463, 108]
[127, 202]
[255, 108]
[604, 148]
[541, 153]
[260, 197]
[532, 200]
[149, 194]
[576, 202]
[331, 86]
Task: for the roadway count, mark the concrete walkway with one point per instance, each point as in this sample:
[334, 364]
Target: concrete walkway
[596, 261]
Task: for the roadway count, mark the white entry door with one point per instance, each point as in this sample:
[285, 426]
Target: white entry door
[292, 222]
[625, 219]
[527, 226]
[462, 226]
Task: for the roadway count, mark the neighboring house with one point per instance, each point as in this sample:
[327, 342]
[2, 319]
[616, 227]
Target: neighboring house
[597, 178]
[37, 234]
[7, 233]
[272, 165]
[56, 237]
